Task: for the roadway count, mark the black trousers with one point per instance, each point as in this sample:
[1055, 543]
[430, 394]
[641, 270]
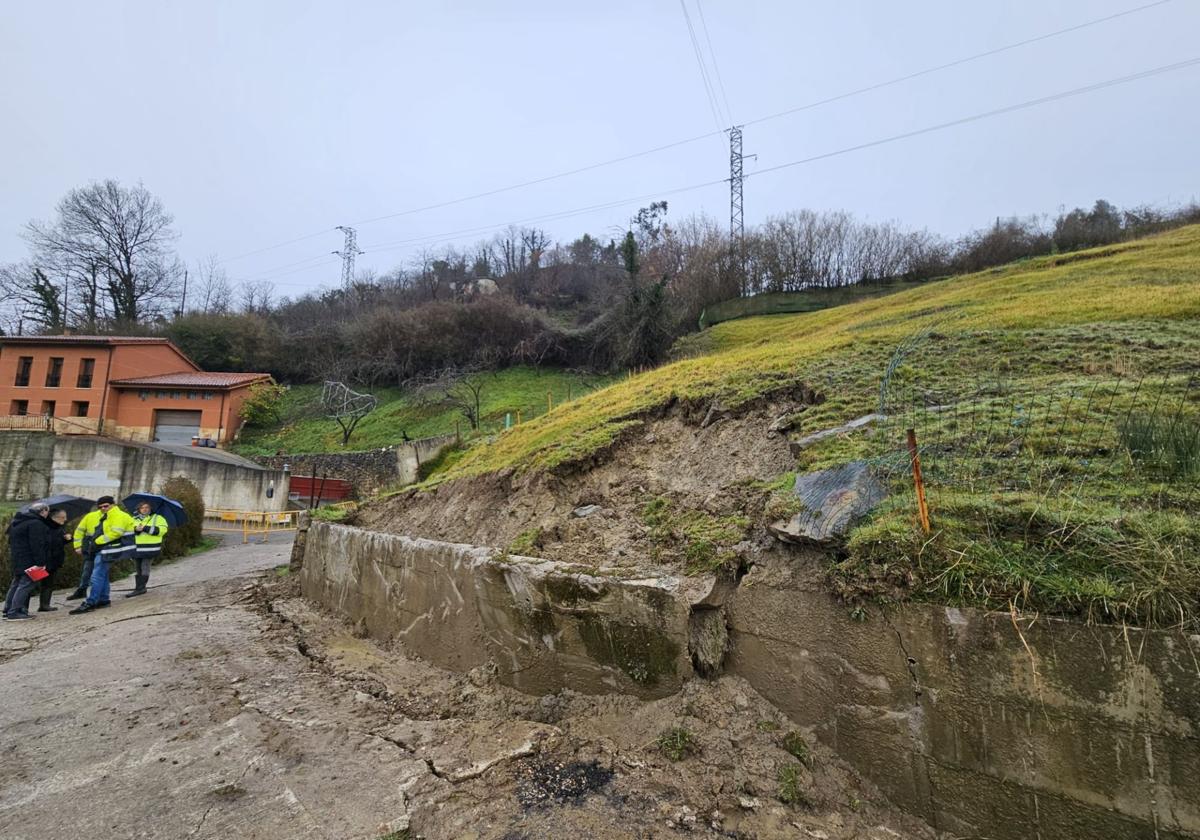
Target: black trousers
[47, 584]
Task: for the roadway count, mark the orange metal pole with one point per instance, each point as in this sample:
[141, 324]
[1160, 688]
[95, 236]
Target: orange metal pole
[918, 481]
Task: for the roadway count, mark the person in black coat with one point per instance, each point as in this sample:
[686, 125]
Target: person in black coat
[28, 545]
[56, 548]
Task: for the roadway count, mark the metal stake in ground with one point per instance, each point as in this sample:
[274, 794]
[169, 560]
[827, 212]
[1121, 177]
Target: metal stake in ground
[918, 482]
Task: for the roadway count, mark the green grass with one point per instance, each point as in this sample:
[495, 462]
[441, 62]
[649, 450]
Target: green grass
[1145, 281]
[303, 428]
[791, 788]
[701, 539]
[677, 743]
[1080, 497]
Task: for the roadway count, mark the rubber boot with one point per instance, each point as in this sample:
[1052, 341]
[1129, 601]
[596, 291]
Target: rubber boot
[81, 592]
[139, 587]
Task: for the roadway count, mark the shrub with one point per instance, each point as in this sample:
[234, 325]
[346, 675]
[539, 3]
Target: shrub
[187, 536]
[794, 743]
[791, 790]
[677, 743]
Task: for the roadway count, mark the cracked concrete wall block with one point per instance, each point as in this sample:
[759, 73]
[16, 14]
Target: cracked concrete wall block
[983, 724]
[546, 625]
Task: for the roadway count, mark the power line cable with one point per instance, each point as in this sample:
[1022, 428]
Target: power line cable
[697, 138]
[1029, 103]
[708, 88]
[956, 63]
[716, 69]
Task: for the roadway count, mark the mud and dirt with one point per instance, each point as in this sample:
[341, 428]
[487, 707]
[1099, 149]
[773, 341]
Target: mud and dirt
[710, 464]
[223, 705]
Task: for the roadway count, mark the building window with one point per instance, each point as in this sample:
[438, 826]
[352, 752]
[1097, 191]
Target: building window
[193, 395]
[54, 372]
[48, 408]
[86, 368]
[143, 395]
[79, 408]
[161, 395]
[177, 395]
[208, 395]
[24, 367]
[19, 407]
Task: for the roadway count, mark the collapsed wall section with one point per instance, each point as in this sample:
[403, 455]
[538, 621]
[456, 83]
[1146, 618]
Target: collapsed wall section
[546, 625]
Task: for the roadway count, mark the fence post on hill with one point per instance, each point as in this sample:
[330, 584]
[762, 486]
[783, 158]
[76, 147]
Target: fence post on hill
[549, 401]
[918, 482]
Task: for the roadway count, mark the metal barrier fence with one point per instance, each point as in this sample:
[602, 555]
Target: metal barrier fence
[250, 523]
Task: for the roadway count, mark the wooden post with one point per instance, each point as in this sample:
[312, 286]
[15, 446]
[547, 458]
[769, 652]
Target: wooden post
[918, 481]
[518, 417]
[457, 433]
[549, 401]
[568, 392]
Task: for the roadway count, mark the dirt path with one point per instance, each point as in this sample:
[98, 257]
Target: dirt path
[221, 705]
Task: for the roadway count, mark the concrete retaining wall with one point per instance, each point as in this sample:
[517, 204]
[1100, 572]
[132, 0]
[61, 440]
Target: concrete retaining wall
[546, 625]
[34, 464]
[369, 470]
[982, 725]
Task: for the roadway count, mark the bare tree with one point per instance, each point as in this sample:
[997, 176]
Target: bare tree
[214, 293]
[347, 408]
[121, 237]
[459, 388]
[256, 296]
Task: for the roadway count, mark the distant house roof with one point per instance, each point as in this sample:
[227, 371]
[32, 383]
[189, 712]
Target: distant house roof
[83, 339]
[192, 379]
[94, 340]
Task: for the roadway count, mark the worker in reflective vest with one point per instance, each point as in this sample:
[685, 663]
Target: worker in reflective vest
[149, 529]
[89, 527]
[114, 542]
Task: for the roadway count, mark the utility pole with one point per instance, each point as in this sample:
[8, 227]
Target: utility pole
[348, 252]
[183, 299]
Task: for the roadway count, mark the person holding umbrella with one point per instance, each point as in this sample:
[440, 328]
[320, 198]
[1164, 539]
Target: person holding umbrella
[149, 530]
[56, 549]
[114, 542]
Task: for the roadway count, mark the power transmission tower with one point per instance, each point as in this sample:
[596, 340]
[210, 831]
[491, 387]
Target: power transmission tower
[348, 252]
[737, 220]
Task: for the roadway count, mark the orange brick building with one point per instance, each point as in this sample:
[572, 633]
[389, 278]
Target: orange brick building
[128, 387]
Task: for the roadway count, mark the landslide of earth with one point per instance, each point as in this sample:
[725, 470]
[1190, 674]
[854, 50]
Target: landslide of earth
[1022, 380]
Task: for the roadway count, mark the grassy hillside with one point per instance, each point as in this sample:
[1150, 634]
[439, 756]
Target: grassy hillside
[1146, 280]
[1057, 413]
[303, 428]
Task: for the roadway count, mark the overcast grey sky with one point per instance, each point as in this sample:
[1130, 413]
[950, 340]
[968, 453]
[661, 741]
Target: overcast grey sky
[264, 120]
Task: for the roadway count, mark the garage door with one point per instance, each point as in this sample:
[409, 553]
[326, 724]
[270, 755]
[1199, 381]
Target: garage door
[176, 426]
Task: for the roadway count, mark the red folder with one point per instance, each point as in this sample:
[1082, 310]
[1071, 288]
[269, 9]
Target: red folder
[37, 573]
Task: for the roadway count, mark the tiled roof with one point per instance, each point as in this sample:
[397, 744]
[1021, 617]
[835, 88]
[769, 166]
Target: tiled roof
[82, 339]
[191, 379]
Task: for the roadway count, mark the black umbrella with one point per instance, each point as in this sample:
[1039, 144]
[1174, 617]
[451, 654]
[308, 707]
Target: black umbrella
[168, 509]
[73, 505]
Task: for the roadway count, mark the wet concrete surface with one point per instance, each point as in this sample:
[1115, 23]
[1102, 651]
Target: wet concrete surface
[222, 705]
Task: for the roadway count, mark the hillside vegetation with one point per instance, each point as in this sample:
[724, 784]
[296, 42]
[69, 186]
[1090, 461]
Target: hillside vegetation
[1155, 279]
[1055, 405]
[303, 428]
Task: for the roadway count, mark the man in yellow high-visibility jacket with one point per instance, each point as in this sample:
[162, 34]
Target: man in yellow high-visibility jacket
[114, 542]
[149, 530]
[89, 527]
